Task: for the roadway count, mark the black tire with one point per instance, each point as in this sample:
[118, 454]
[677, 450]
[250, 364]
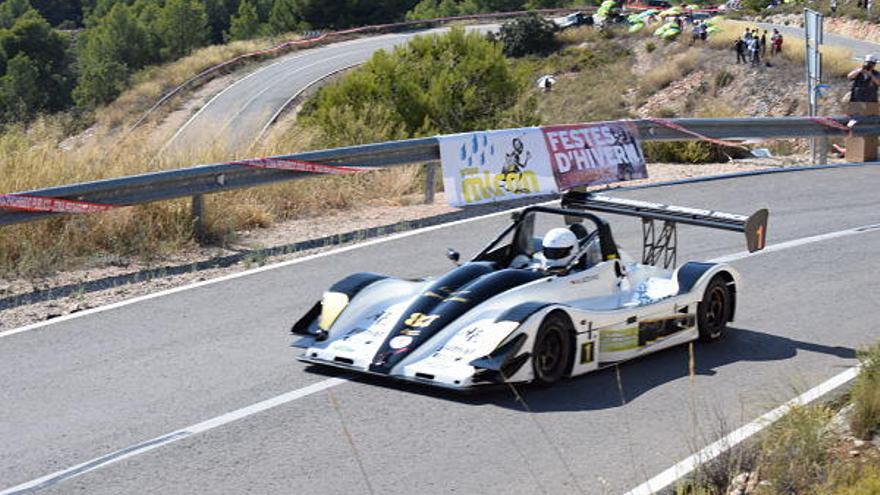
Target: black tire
[713, 312]
[551, 354]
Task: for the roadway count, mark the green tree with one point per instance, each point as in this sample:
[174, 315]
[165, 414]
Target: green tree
[33, 37]
[527, 35]
[435, 84]
[219, 13]
[10, 10]
[283, 16]
[246, 23]
[57, 12]
[182, 26]
[108, 53]
[20, 95]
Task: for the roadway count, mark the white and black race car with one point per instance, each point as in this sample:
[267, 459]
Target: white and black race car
[502, 317]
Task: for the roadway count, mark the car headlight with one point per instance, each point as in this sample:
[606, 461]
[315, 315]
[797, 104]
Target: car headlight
[331, 306]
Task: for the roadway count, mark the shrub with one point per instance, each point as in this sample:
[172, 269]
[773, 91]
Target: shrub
[865, 418]
[528, 35]
[691, 152]
[795, 453]
[435, 84]
[650, 46]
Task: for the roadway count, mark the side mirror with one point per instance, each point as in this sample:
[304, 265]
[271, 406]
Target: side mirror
[453, 255]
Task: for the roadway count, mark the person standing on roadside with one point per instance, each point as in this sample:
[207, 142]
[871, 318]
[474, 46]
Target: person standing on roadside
[865, 81]
[776, 43]
[754, 45]
[740, 46]
[764, 44]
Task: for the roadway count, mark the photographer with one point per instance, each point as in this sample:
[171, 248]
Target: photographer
[865, 80]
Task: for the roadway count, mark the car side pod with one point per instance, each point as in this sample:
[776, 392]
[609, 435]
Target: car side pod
[502, 362]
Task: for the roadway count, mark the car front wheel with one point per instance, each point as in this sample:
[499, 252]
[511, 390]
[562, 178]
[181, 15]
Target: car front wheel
[552, 350]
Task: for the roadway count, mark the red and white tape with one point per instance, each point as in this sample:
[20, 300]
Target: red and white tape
[676, 127]
[51, 205]
[299, 166]
[23, 202]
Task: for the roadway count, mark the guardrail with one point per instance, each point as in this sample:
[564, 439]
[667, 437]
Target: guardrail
[207, 179]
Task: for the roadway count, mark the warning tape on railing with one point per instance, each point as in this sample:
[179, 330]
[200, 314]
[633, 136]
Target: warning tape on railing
[299, 166]
[51, 205]
[672, 125]
[43, 204]
[829, 122]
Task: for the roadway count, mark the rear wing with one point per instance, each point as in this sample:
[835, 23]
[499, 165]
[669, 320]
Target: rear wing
[753, 226]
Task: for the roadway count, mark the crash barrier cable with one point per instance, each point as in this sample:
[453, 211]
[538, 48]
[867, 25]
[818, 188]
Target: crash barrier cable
[104, 195]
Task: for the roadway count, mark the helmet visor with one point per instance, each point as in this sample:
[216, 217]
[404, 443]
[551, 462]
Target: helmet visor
[558, 253]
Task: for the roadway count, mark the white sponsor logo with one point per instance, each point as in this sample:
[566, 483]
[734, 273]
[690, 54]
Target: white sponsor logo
[400, 341]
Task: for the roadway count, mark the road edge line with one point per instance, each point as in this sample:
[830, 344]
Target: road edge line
[686, 466]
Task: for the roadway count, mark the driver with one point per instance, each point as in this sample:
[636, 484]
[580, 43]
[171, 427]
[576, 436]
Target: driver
[557, 250]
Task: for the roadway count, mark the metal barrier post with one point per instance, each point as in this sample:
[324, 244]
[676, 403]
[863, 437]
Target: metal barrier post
[198, 212]
[862, 148]
[430, 181]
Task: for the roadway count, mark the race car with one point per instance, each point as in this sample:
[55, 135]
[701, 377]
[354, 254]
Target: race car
[531, 308]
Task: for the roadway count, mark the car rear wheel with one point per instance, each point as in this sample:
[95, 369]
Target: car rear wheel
[551, 353]
[713, 312]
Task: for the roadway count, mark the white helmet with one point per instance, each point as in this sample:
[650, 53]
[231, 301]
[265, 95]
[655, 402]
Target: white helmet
[871, 59]
[558, 247]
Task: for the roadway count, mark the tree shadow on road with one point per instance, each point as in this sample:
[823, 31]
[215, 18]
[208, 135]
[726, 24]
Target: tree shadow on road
[599, 390]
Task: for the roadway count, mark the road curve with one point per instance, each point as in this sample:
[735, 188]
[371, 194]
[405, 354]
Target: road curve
[235, 117]
[860, 48]
[79, 389]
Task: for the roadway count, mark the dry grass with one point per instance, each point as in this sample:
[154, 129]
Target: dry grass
[836, 61]
[661, 76]
[865, 395]
[794, 454]
[32, 159]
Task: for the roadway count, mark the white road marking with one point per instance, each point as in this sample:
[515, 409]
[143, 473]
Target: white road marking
[252, 271]
[713, 450]
[658, 482]
[155, 443]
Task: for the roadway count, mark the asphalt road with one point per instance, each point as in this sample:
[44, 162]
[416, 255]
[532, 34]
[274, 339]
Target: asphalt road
[78, 389]
[860, 48]
[235, 117]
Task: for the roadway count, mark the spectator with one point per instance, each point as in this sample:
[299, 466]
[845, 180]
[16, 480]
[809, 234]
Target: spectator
[740, 46]
[747, 35]
[704, 31]
[776, 41]
[764, 44]
[754, 45]
[833, 5]
[866, 80]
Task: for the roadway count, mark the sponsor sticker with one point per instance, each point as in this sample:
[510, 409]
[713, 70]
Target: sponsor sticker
[400, 342]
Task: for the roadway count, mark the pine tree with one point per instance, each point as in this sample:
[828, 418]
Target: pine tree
[245, 24]
[283, 17]
[182, 26]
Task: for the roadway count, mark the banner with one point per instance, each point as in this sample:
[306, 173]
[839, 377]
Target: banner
[592, 154]
[482, 167]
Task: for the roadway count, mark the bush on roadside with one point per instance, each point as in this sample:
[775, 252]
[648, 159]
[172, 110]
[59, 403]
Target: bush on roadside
[691, 152]
[528, 35]
[794, 454]
[865, 395]
[433, 85]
